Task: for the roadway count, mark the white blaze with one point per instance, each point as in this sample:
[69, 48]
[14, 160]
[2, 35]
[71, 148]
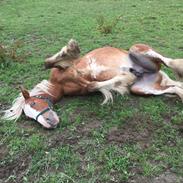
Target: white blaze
[32, 113]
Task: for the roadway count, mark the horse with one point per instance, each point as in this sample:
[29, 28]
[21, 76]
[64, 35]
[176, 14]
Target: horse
[106, 69]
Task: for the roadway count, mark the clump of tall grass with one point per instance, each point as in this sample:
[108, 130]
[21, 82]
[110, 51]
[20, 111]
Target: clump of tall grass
[11, 53]
[106, 26]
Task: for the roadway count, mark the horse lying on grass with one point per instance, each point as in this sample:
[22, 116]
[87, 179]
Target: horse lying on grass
[104, 69]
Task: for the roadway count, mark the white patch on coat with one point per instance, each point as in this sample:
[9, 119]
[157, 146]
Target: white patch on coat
[95, 68]
[126, 62]
[30, 112]
[106, 87]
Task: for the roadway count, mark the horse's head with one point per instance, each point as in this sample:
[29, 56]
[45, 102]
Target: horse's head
[39, 108]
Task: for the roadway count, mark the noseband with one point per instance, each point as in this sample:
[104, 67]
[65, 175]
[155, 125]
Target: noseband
[48, 101]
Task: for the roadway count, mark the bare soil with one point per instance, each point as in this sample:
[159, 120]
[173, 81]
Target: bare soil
[15, 168]
[133, 132]
[166, 177]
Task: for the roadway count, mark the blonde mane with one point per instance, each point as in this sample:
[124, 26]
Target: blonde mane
[18, 104]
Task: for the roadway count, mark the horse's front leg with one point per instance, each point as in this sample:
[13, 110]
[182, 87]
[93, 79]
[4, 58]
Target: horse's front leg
[65, 57]
[73, 75]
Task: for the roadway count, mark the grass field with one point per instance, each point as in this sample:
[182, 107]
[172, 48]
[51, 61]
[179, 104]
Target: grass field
[135, 139]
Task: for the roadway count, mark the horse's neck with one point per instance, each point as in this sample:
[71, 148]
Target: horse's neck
[55, 92]
[50, 89]
[65, 83]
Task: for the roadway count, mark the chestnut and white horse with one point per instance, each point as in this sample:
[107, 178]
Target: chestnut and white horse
[104, 69]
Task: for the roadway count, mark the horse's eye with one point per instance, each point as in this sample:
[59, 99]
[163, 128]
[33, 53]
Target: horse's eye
[32, 104]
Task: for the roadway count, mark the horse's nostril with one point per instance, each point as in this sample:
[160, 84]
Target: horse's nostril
[51, 123]
[47, 119]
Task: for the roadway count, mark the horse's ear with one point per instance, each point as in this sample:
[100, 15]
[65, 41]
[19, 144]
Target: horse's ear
[25, 92]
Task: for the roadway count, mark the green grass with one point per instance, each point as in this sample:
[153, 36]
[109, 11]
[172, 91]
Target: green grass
[134, 138]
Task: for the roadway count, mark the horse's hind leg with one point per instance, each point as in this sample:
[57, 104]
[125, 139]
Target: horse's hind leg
[64, 58]
[149, 59]
[157, 84]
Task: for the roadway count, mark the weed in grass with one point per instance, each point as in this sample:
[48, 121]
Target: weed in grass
[150, 169]
[10, 54]
[106, 26]
[55, 177]
[177, 119]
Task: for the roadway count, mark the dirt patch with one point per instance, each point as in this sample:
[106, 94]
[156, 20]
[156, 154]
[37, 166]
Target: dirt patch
[166, 177]
[136, 129]
[3, 152]
[3, 106]
[85, 130]
[31, 126]
[27, 124]
[71, 138]
[17, 168]
[62, 138]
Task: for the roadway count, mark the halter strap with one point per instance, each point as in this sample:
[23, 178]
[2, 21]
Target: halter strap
[42, 112]
[46, 99]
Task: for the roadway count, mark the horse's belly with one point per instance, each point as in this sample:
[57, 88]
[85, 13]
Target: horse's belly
[104, 63]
